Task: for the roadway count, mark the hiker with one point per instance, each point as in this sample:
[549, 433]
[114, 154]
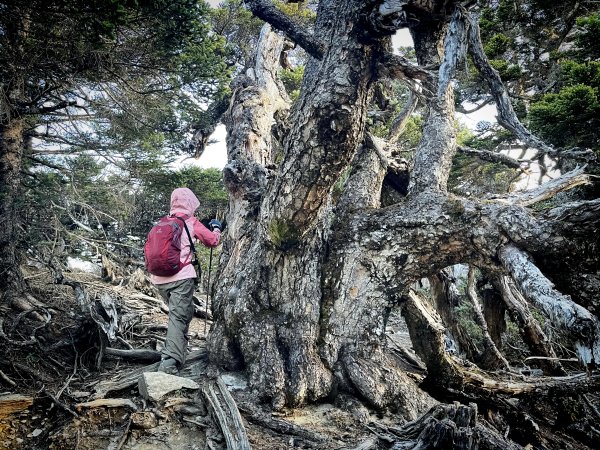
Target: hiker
[178, 289]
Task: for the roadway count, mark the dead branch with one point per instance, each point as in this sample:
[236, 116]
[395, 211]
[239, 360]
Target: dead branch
[59, 393]
[447, 373]
[29, 342]
[255, 415]
[6, 379]
[507, 116]
[491, 357]
[399, 123]
[529, 328]
[446, 297]
[573, 318]
[60, 404]
[265, 10]
[124, 436]
[577, 213]
[226, 414]
[565, 182]
[12, 403]
[490, 156]
[107, 403]
[134, 354]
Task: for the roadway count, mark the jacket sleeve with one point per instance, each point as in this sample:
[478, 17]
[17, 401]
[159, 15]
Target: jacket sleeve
[204, 235]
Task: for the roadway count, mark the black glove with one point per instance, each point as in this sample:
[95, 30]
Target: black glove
[215, 224]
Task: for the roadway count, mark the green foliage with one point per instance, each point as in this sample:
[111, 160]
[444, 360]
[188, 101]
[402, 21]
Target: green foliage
[292, 80]
[497, 45]
[413, 132]
[587, 41]
[338, 187]
[506, 70]
[464, 315]
[239, 28]
[283, 234]
[570, 117]
[297, 11]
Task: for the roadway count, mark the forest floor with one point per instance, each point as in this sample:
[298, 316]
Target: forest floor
[57, 393]
[59, 398]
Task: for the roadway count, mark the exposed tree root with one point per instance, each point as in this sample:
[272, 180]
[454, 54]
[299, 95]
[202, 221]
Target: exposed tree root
[581, 325]
[491, 358]
[379, 380]
[530, 330]
[449, 427]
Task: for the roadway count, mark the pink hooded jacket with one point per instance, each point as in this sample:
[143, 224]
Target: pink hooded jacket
[185, 203]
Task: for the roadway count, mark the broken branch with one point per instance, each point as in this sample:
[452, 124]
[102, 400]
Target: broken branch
[265, 10]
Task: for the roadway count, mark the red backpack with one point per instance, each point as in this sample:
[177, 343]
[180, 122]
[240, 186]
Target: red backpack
[162, 251]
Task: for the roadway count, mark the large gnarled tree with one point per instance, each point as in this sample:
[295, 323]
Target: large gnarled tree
[307, 280]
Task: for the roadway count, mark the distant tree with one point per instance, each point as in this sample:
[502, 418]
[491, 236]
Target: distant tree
[119, 78]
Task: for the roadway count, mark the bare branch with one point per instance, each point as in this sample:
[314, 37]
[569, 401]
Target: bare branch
[265, 10]
[455, 48]
[490, 156]
[396, 66]
[506, 114]
[48, 164]
[491, 357]
[547, 190]
[529, 328]
[47, 109]
[399, 123]
[573, 318]
[483, 104]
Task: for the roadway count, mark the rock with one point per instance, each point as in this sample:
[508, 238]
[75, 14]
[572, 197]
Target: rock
[234, 382]
[144, 420]
[80, 265]
[155, 385]
[37, 432]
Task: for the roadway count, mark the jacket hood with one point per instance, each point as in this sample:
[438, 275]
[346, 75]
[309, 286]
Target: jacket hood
[184, 201]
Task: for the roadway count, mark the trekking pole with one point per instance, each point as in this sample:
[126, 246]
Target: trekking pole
[207, 291]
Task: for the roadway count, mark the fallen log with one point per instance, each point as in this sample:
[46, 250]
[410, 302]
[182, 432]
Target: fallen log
[196, 363]
[133, 354]
[107, 403]
[13, 403]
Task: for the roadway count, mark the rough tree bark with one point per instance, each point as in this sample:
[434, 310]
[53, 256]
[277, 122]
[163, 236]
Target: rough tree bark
[308, 279]
[11, 155]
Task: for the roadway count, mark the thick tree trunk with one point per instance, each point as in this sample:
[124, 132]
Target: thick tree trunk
[446, 298]
[11, 155]
[271, 316]
[307, 279]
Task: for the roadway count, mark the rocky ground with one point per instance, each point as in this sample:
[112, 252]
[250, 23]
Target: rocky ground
[58, 392]
[78, 371]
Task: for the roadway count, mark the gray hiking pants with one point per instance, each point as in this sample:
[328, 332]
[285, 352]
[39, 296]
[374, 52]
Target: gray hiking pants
[179, 296]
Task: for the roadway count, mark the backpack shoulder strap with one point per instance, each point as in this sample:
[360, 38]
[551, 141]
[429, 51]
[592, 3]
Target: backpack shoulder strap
[187, 231]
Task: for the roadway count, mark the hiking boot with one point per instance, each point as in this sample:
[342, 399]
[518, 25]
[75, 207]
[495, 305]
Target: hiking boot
[168, 365]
